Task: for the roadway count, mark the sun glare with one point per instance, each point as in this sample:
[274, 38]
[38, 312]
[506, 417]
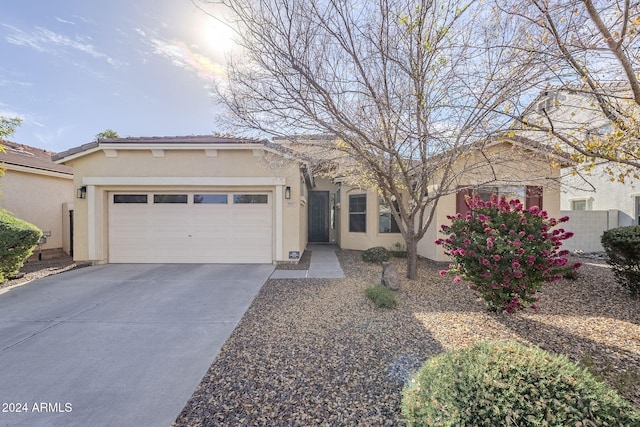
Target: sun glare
[218, 35]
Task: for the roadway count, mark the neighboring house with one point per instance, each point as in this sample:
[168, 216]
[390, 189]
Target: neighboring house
[39, 191]
[591, 199]
[206, 199]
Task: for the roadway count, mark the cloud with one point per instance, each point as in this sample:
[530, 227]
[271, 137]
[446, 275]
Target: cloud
[64, 21]
[44, 40]
[184, 57]
[50, 138]
[5, 82]
[5, 111]
[27, 118]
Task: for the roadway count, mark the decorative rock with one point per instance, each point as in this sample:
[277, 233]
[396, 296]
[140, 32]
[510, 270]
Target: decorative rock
[390, 276]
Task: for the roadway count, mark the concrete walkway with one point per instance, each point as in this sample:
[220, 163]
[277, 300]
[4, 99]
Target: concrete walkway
[324, 265]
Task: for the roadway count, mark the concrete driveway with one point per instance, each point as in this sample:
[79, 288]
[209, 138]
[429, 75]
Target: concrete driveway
[117, 344]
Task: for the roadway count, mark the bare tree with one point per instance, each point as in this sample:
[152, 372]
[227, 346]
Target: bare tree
[588, 52]
[404, 86]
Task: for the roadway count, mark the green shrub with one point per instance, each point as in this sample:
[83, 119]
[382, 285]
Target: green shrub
[381, 296]
[17, 240]
[376, 255]
[510, 384]
[622, 246]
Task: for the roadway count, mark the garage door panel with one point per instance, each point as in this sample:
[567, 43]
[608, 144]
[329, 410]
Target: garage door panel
[190, 233]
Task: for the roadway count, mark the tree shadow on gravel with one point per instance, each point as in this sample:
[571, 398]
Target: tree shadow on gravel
[312, 352]
[618, 366]
[591, 320]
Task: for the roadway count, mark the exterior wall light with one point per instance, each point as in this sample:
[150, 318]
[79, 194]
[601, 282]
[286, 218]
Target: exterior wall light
[287, 192]
[82, 192]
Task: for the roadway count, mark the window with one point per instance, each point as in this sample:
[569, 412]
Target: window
[210, 199]
[130, 198]
[386, 222]
[529, 195]
[169, 198]
[510, 192]
[578, 205]
[250, 198]
[358, 213]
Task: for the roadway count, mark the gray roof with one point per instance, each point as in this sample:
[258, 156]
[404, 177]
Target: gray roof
[31, 157]
[160, 140]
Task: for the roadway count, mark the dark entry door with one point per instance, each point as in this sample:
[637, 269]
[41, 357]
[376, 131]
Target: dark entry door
[318, 216]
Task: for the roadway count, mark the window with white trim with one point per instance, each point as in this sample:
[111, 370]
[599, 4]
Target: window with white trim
[579, 205]
[358, 213]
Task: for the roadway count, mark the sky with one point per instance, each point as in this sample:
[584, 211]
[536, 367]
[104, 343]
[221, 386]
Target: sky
[73, 68]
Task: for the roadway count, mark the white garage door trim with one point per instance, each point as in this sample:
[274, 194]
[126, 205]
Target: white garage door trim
[225, 227]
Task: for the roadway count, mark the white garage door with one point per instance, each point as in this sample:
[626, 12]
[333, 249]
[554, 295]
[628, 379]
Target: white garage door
[190, 228]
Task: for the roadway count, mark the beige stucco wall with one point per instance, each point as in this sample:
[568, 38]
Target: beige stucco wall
[514, 168]
[372, 237]
[195, 165]
[38, 197]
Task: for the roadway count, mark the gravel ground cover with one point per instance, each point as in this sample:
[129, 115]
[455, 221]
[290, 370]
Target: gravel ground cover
[52, 261]
[316, 352]
[302, 264]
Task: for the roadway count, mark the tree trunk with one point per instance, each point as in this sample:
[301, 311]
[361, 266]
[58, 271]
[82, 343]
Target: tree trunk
[412, 256]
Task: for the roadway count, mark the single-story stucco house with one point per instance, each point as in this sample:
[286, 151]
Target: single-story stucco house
[39, 191]
[208, 199]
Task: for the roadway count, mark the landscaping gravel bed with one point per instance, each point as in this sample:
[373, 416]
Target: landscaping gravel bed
[316, 352]
[302, 264]
[46, 263]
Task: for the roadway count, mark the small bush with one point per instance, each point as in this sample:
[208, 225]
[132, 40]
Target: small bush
[506, 251]
[494, 384]
[17, 240]
[381, 296]
[622, 246]
[376, 255]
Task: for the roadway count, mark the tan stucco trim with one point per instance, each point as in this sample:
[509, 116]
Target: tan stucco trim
[112, 149]
[91, 219]
[185, 180]
[35, 171]
[278, 200]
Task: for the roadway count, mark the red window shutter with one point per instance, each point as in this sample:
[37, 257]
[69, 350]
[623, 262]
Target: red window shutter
[534, 196]
[461, 202]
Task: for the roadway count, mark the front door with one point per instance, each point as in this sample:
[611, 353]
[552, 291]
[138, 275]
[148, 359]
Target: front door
[318, 216]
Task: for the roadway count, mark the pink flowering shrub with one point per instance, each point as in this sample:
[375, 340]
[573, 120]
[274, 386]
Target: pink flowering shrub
[505, 251]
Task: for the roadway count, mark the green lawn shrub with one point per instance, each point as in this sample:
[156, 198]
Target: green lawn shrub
[622, 246]
[377, 255]
[381, 296]
[509, 384]
[18, 238]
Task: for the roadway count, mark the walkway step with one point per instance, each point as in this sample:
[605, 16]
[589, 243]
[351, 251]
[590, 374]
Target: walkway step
[324, 265]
